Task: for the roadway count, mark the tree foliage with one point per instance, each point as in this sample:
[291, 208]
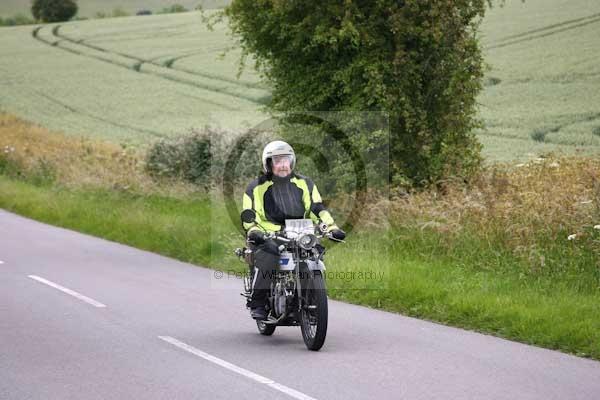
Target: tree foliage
[53, 10]
[418, 60]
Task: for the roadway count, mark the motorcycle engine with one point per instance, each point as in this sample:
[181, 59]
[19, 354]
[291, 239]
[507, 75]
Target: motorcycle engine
[279, 301]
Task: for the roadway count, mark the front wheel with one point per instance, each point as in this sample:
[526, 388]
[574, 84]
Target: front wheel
[314, 313]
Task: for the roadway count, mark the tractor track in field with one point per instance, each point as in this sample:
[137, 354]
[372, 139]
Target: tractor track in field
[95, 117]
[224, 106]
[548, 27]
[135, 33]
[55, 43]
[166, 64]
[137, 66]
[588, 117]
[531, 35]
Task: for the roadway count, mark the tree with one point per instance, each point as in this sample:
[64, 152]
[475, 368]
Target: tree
[53, 10]
[418, 60]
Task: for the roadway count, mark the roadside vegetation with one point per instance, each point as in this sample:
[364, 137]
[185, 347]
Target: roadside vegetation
[515, 254]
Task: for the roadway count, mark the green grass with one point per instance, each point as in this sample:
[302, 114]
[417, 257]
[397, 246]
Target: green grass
[170, 227]
[467, 287]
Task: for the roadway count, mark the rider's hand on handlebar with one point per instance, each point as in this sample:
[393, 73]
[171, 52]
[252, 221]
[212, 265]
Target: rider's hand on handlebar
[338, 234]
[256, 237]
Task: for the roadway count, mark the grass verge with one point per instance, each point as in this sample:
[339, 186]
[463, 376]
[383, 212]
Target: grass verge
[396, 275]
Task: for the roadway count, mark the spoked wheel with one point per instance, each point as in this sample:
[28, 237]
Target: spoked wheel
[313, 317]
[265, 329]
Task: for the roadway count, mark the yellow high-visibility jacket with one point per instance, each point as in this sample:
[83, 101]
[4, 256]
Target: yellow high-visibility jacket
[276, 199]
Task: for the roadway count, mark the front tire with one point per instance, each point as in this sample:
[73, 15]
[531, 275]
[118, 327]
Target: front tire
[313, 317]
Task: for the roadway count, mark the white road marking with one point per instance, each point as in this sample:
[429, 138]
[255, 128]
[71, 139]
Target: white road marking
[249, 374]
[67, 291]
[1, 262]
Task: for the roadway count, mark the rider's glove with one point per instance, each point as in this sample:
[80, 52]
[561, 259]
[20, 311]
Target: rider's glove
[338, 234]
[257, 237]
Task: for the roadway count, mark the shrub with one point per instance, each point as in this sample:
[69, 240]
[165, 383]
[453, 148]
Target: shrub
[186, 157]
[539, 135]
[175, 8]
[144, 12]
[53, 10]
[119, 12]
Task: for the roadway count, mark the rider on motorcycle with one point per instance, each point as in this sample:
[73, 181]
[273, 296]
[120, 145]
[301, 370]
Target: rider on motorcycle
[278, 194]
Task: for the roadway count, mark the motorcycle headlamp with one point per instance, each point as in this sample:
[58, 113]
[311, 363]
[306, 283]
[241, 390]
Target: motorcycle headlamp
[307, 241]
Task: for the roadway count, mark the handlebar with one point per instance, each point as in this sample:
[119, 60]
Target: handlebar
[275, 236]
[283, 239]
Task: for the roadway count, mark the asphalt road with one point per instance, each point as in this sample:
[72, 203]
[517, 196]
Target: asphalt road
[85, 318]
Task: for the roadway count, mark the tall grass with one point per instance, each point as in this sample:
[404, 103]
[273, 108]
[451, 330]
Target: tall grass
[542, 218]
[27, 150]
[493, 256]
[541, 311]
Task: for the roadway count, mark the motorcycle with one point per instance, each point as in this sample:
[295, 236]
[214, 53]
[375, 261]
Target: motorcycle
[298, 294]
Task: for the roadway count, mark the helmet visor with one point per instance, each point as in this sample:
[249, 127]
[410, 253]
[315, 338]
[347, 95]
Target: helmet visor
[284, 159]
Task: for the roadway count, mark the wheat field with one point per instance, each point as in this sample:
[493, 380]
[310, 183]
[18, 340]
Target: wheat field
[133, 79]
[120, 79]
[543, 88]
[89, 8]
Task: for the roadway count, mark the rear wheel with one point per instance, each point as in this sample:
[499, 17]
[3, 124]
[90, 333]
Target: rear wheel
[265, 329]
[313, 317]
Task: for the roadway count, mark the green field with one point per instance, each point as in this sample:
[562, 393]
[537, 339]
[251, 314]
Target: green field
[543, 89]
[88, 8]
[132, 79]
[120, 78]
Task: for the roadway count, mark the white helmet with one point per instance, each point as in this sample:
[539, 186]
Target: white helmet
[277, 148]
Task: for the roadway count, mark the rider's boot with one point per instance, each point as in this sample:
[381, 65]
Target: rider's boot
[258, 313]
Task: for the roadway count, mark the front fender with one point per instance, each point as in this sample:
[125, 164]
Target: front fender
[315, 265]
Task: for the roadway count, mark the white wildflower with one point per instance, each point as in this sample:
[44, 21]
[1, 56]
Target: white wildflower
[597, 227]
[572, 237]
[554, 165]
